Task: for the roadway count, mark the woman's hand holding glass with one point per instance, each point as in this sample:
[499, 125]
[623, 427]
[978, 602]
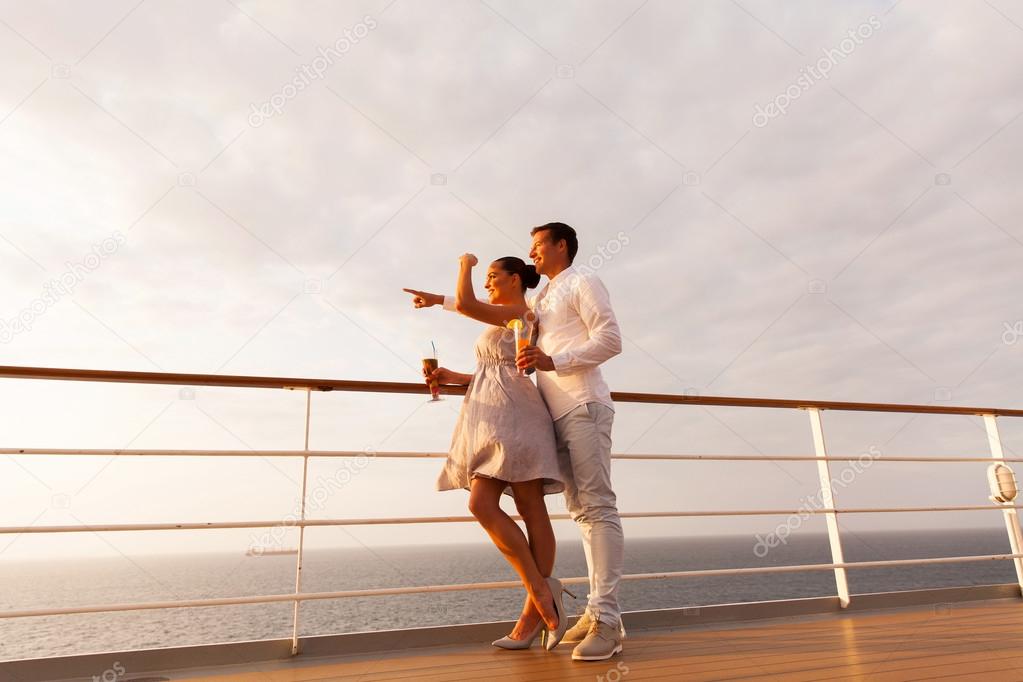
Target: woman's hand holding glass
[443, 376]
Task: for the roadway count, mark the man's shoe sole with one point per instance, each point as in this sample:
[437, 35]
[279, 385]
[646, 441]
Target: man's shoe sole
[616, 650]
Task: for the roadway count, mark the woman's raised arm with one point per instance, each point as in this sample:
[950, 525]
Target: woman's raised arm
[467, 303]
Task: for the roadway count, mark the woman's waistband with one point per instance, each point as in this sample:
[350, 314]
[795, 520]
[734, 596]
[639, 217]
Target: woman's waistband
[495, 362]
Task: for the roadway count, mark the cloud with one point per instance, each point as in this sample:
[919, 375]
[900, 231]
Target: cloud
[862, 246]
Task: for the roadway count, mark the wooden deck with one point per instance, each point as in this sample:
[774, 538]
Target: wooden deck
[970, 641]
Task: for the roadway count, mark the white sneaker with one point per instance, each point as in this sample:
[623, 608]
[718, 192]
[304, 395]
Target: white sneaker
[578, 632]
[601, 643]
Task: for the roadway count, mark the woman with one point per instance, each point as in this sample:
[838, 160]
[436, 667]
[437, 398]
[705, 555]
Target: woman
[504, 443]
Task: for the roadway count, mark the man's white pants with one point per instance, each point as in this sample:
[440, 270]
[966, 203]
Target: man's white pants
[584, 456]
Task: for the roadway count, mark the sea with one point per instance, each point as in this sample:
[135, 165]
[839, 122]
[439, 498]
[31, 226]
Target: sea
[70, 582]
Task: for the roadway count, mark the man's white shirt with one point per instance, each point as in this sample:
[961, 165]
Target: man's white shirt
[579, 331]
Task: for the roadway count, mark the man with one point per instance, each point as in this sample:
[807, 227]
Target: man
[578, 332]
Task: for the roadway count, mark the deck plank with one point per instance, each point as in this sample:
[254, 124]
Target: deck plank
[966, 641]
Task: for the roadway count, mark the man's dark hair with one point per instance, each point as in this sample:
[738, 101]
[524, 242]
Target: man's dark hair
[557, 232]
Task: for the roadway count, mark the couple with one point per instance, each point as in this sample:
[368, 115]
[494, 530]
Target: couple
[529, 440]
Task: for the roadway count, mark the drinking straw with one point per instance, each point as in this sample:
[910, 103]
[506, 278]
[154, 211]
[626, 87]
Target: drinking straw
[432, 345]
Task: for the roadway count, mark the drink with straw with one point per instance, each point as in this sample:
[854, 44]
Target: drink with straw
[430, 365]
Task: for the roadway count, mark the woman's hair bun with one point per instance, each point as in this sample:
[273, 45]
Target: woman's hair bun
[526, 271]
[530, 277]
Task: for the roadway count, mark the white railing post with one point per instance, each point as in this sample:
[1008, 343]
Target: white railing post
[1011, 518]
[828, 500]
[301, 528]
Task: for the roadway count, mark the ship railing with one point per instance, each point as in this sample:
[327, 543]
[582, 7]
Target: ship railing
[828, 509]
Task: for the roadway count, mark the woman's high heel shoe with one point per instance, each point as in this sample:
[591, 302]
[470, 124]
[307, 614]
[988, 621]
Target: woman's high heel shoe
[554, 637]
[524, 643]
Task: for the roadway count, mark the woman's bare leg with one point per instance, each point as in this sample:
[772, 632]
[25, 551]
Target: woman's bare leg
[484, 498]
[529, 501]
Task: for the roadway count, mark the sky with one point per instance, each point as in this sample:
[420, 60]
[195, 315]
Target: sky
[808, 200]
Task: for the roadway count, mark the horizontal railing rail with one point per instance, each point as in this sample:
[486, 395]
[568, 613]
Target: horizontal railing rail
[499, 585]
[121, 452]
[412, 520]
[827, 508]
[241, 381]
